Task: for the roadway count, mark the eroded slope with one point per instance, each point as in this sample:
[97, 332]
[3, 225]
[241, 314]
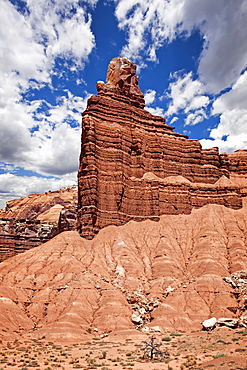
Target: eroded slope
[167, 274]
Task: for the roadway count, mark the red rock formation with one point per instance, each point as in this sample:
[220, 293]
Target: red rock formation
[27, 222]
[133, 166]
[169, 273]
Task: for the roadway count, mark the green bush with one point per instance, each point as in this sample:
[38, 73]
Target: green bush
[220, 355]
[166, 339]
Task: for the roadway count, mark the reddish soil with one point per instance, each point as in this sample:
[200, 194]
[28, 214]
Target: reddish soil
[220, 349]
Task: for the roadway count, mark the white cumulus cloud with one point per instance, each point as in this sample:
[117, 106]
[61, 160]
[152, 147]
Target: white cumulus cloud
[44, 141]
[150, 98]
[231, 132]
[187, 95]
[61, 26]
[152, 23]
[157, 111]
[159, 19]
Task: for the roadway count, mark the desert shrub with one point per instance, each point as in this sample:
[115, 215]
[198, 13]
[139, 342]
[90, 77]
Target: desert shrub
[166, 339]
[220, 355]
[91, 361]
[103, 355]
[190, 361]
[74, 361]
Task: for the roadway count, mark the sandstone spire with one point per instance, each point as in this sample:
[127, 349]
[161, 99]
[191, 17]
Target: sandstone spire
[121, 79]
[121, 76]
[134, 167]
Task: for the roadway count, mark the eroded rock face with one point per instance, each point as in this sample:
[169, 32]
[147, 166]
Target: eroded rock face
[169, 274]
[27, 222]
[134, 167]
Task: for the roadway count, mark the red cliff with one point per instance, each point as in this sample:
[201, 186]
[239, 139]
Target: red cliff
[133, 166]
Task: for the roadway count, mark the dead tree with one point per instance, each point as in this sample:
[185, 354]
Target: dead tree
[151, 349]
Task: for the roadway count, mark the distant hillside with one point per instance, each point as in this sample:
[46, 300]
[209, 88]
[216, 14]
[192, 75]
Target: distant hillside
[27, 222]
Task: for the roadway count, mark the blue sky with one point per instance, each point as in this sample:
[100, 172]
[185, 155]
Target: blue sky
[191, 58]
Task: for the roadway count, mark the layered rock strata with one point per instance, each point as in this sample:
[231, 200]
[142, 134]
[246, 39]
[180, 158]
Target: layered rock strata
[134, 167]
[30, 221]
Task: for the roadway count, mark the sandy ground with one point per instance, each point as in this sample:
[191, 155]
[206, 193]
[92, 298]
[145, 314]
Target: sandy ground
[222, 349]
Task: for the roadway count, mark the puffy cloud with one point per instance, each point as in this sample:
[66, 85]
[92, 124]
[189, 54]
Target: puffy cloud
[59, 153]
[152, 23]
[51, 149]
[32, 38]
[37, 135]
[15, 121]
[157, 18]
[234, 99]
[47, 143]
[150, 97]
[12, 186]
[223, 27]
[195, 117]
[61, 26]
[187, 95]
[231, 132]
[156, 111]
[22, 57]
[44, 31]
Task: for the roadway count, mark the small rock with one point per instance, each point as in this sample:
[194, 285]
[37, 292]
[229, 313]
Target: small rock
[155, 304]
[156, 329]
[168, 290]
[230, 281]
[142, 311]
[243, 320]
[146, 329]
[136, 318]
[242, 281]
[95, 329]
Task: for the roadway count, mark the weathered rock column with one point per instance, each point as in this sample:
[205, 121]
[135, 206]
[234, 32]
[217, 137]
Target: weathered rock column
[133, 166]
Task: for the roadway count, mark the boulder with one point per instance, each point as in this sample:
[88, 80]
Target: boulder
[136, 318]
[231, 323]
[209, 324]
